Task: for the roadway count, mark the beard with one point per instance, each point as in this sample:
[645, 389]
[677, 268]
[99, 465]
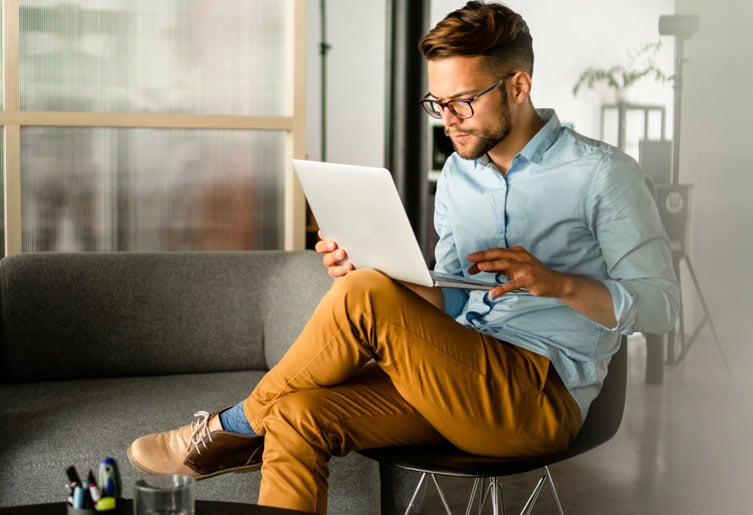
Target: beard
[480, 141]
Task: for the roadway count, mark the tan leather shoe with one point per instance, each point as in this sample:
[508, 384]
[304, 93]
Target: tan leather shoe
[201, 449]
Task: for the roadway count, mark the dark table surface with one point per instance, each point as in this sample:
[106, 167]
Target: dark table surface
[202, 508]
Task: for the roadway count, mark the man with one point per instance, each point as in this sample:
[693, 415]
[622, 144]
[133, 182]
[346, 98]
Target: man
[567, 227]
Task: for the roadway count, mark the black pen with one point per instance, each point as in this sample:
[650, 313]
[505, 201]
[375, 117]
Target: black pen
[73, 482]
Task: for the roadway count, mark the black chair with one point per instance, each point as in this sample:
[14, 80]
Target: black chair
[601, 424]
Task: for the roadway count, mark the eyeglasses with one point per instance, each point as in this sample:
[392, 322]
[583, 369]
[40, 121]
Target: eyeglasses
[460, 108]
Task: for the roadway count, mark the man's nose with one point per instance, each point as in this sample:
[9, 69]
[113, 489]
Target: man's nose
[448, 117]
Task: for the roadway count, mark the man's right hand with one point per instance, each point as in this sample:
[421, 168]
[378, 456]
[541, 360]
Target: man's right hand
[332, 257]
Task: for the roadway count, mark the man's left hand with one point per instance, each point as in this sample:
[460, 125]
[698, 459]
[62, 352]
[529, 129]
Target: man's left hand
[522, 269]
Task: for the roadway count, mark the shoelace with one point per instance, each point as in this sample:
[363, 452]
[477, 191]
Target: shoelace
[200, 430]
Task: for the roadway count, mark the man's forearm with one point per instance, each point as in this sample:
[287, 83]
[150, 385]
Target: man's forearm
[588, 297]
[433, 295]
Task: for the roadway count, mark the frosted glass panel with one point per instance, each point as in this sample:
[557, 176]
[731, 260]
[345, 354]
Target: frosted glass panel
[173, 56]
[2, 68]
[151, 189]
[2, 197]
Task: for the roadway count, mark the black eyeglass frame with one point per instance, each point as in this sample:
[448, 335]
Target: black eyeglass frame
[429, 103]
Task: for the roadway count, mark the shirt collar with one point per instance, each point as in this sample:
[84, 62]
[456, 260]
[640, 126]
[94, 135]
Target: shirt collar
[545, 138]
[541, 141]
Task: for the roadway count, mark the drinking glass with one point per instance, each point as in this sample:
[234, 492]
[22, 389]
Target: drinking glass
[164, 494]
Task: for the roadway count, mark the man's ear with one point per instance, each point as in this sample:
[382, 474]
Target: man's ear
[521, 87]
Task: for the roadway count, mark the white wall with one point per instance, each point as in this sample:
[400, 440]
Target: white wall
[356, 31]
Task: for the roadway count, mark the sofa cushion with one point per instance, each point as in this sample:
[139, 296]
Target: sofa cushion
[123, 314]
[47, 426]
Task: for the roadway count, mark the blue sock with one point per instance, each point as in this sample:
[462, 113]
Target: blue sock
[234, 420]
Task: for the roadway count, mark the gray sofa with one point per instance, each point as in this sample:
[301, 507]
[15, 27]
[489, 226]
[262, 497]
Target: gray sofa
[99, 348]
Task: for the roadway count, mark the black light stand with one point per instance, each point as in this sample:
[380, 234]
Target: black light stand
[674, 198]
[406, 126]
[324, 48]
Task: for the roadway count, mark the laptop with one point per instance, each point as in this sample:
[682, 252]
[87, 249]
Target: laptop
[359, 208]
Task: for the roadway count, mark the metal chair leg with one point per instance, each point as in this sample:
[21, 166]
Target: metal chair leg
[528, 507]
[472, 497]
[546, 478]
[494, 490]
[421, 484]
[498, 497]
[501, 495]
[441, 495]
[413, 498]
[555, 496]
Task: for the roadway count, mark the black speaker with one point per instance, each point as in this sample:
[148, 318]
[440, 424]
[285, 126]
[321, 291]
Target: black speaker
[673, 201]
[655, 158]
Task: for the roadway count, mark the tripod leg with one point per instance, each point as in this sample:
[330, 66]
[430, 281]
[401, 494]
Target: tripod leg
[707, 316]
[676, 337]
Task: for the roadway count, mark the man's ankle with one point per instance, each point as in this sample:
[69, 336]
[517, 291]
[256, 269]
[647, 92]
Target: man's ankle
[234, 420]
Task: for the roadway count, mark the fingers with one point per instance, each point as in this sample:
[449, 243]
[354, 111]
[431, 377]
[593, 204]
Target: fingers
[506, 287]
[333, 257]
[521, 268]
[325, 246]
[494, 260]
[498, 254]
[338, 271]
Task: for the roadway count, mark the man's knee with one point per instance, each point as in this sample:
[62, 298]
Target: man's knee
[366, 279]
[367, 285]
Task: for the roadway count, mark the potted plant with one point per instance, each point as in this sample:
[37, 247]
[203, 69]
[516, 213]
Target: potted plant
[641, 63]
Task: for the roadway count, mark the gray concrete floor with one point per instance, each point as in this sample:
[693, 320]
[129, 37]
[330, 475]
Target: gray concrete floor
[683, 447]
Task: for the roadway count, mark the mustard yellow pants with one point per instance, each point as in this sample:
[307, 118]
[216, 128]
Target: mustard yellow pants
[431, 381]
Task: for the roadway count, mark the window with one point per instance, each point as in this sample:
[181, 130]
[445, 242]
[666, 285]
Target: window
[142, 125]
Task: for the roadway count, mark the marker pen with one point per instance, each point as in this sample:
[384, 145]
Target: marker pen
[93, 488]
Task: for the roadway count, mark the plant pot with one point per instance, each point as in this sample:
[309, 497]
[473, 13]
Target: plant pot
[624, 96]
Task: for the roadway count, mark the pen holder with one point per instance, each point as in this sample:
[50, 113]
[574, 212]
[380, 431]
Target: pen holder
[82, 511]
[119, 509]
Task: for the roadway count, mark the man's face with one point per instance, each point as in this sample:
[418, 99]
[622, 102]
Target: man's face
[457, 78]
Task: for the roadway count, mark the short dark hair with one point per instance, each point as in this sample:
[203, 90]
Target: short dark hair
[479, 29]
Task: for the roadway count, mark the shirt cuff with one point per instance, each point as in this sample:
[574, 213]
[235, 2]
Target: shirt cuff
[625, 306]
[454, 301]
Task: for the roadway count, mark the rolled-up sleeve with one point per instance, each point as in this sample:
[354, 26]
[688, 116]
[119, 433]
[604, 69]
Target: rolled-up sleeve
[636, 250]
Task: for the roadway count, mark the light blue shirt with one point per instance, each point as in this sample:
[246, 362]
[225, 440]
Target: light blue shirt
[580, 206]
